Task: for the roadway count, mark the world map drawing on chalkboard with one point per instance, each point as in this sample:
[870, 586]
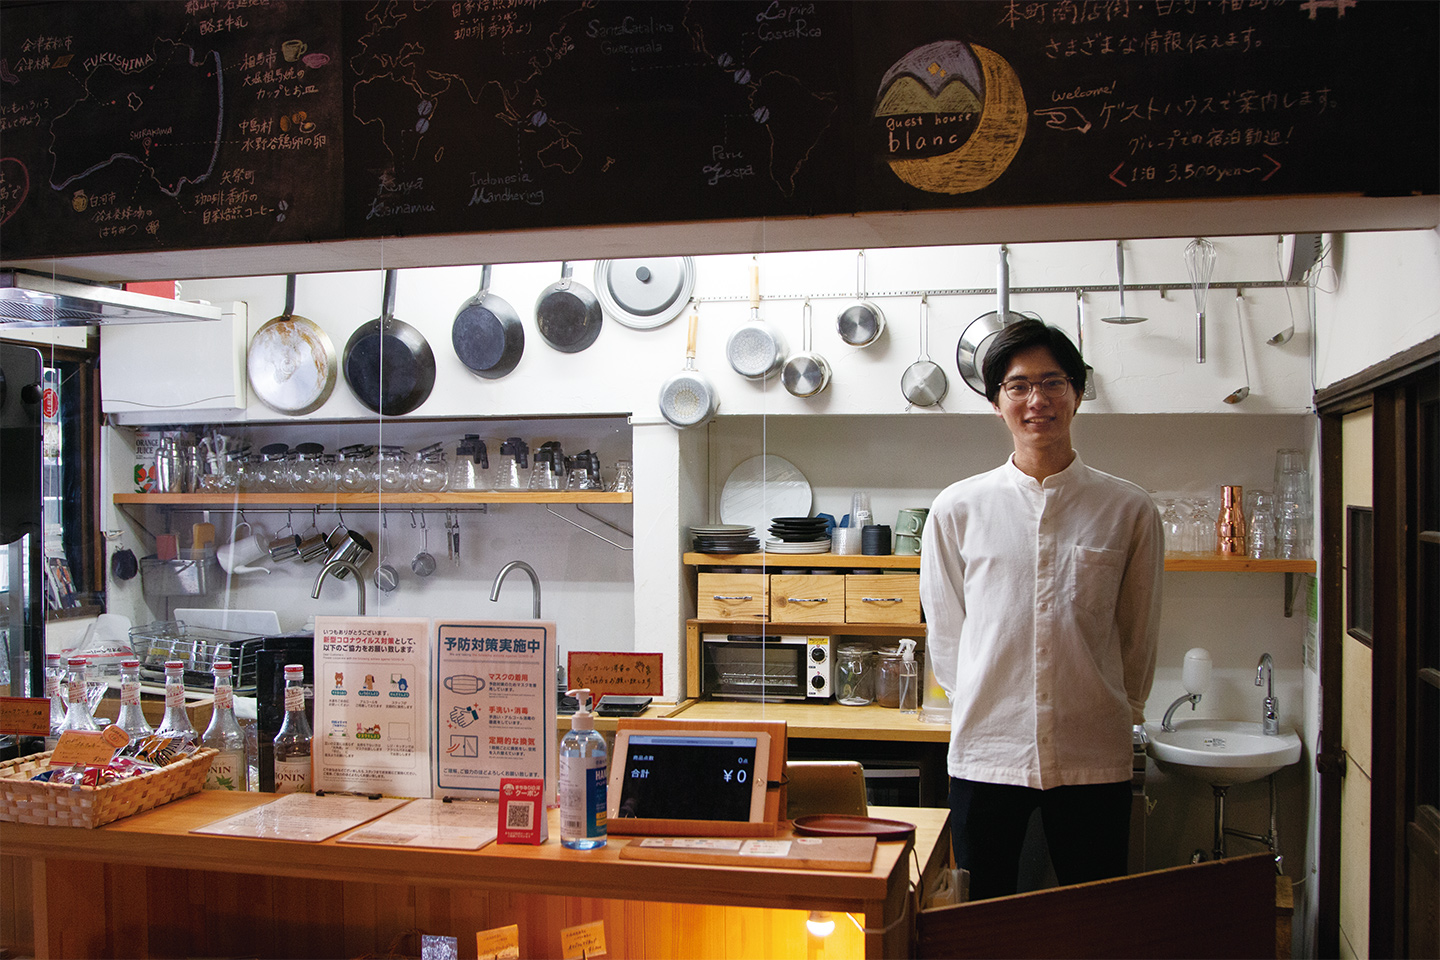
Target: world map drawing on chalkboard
[478, 114]
[166, 110]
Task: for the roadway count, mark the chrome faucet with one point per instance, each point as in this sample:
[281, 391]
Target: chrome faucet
[351, 568]
[1265, 673]
[534, 583]
[1190, 698]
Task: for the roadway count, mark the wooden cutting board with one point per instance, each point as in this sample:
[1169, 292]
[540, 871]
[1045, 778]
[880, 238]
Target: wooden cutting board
[803, 853]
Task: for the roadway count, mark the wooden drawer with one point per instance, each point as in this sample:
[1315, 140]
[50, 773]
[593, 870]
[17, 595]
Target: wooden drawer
[807, 598]
[731, 596]
[882, 598]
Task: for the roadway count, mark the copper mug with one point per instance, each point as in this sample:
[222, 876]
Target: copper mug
[1230, 540]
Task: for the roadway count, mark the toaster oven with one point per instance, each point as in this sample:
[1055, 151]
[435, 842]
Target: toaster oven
[762, 667]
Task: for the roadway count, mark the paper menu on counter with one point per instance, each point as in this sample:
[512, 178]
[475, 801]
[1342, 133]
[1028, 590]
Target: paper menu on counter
[372, 705]
[432, 823]
[494, 712]
[302, 817]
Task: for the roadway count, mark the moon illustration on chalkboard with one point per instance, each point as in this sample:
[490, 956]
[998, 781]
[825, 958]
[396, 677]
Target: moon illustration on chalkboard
[952, 116]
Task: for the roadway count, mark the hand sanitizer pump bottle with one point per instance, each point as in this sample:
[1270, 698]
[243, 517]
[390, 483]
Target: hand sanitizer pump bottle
[583, 762]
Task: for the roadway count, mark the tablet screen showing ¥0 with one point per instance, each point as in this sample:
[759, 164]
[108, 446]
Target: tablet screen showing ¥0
[690, 776]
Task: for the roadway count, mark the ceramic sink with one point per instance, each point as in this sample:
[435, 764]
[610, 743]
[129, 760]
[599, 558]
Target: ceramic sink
[1221, 752]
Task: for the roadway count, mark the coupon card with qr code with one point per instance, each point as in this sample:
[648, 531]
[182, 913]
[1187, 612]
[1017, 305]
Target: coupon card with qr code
[523, 817]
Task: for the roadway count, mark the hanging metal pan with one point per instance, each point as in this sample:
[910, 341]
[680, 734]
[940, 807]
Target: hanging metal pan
[291, 361]
[486, 333]
[976, 338]
[388, 363]
[567, 314]
[756, 350]
[924, 383]
[861, 323]
[687, 399]
[806, 374]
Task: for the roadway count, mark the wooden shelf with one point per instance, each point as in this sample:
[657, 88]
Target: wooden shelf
[822, 720]
[1179, 563]
[1214, 563]
[325, 500]
[852, 627]
[855, 561]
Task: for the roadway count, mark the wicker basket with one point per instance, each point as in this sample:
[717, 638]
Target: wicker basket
[23, 800]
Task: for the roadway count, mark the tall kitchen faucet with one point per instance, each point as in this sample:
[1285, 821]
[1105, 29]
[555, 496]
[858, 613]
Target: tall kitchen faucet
[534, 583]
[1265, 673]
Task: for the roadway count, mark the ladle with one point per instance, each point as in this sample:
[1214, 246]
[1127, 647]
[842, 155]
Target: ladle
[1120, 271]
[1244, 391]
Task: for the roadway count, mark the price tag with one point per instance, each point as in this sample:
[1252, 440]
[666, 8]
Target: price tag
[582, 942]
[25, 715]
[88, 748]
[500, 943]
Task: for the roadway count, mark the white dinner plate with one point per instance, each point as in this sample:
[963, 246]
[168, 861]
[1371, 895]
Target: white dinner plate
[763, 487]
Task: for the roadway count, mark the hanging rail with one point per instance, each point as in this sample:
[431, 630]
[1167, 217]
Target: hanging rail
[1163, 288]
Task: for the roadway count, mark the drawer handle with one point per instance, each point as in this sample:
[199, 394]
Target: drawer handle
[718, 597]
[882, 599]
[807, 599]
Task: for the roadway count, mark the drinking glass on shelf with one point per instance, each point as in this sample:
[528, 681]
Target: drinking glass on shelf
[1172, 525]
[1200, 526]
[1260, 534]
[1290, 531]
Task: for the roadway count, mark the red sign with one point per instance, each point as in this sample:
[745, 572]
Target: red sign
[50, 404]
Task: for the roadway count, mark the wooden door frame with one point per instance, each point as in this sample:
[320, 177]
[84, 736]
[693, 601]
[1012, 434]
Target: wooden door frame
[1388, 388]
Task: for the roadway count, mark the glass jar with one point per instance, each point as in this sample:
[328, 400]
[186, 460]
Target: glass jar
[272, 470]
[624, 481]
[430, 473]
[888, 667]
[355, 471]
[854, 674]
[306, 469]
[394, 470]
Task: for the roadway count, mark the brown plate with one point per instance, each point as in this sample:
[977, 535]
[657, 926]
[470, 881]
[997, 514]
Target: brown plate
[841, 825]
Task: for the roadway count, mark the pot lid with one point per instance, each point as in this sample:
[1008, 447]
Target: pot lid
[646, 292]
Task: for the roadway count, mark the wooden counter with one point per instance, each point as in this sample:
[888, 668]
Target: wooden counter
[822, 720]
[145, 886]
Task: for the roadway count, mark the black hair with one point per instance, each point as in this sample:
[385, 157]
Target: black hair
[1022, 335]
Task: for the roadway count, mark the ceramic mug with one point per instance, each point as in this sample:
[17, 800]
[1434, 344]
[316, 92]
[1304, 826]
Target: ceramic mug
[907, 544]
[911, 520]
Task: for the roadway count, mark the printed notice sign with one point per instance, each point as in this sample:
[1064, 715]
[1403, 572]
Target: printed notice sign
[372, 691]
[494, 705]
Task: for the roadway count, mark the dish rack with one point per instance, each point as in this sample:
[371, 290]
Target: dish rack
[198, 648]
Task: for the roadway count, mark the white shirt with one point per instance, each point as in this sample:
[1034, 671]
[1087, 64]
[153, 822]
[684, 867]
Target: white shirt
[1043, 608]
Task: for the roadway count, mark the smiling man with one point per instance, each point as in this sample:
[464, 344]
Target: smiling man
[1041, 587]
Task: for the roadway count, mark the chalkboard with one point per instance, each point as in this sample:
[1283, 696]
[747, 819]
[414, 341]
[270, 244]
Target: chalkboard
[195, 123]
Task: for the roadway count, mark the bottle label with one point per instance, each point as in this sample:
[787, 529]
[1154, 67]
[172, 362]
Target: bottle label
[224, 698]
[292, 776]
[294, 699]
[227, 772]
[130, 693]
[582, 797]
[52, 686]
[174, 695]
[74, 691]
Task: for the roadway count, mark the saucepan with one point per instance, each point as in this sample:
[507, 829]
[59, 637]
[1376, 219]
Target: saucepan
[975, 340]
[861, 323]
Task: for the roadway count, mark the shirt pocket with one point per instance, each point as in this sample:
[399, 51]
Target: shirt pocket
[1097, 579]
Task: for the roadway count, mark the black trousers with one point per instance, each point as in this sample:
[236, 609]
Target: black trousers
[1087, 829]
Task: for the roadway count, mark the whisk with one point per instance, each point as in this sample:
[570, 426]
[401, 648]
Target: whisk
[1200, 261]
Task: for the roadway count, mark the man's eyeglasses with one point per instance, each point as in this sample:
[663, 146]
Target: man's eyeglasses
[1052, 387]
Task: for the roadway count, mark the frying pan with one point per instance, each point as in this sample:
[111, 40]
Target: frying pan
[687, 399]
[976, 338]
[486, 333]
[291, 361]
[861, 323]
[924, 383]
[806, 374]
[568, 314]
[756, 351]
[388, 363]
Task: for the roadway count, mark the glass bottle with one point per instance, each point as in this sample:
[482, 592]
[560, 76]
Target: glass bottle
[227, 770]
[77, 709]
[292, 743]
[176, 722]
[54, 676]
[131, 718]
